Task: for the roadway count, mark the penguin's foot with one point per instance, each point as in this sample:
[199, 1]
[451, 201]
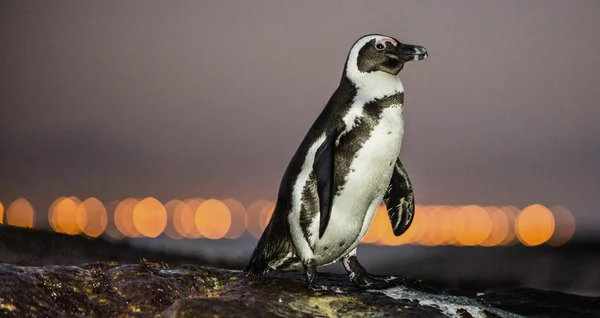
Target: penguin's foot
[359, 276]
[310, 270]
[366, 280]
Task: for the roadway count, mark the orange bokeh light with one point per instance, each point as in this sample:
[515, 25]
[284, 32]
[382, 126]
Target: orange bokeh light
[420, 226]
[239, 218]
[500, 226]
[52, 214]
[378, 227]
[433, 233]
[472, 225]
[150, 217]
[111, 227]
[265, 215]
[254, 211]
[534, 225]
[193, 204]
[433, 225]
[20, 213]
[388, 237]
[184, 220]
[417, 232]
[124, 217]
[511, 213]
[564, 226]
[170, 230]
[213, 219]
[91, 217]
[440, 226]
[427, 230]
[64, 216]
[1, 213]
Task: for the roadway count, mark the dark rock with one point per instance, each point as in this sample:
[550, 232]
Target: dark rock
[533, 302]
[108, 289]
[35, 247]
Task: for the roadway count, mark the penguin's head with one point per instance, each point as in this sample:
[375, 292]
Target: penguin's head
[380, 53]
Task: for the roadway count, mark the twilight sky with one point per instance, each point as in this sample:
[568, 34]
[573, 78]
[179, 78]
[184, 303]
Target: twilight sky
[178, 99]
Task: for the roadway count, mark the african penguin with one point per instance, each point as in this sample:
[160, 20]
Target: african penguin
[343, 169]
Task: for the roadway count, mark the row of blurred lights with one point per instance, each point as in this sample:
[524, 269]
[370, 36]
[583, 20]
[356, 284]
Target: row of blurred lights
[433, 225]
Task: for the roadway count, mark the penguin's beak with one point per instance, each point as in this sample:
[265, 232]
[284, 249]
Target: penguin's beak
[409, 52]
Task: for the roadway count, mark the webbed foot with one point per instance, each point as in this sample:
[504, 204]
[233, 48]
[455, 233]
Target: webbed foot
[310, 270]
[359, 276]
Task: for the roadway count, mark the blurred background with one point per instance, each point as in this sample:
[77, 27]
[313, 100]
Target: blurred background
[168, 125]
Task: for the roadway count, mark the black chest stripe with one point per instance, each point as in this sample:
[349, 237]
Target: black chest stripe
[351, 142]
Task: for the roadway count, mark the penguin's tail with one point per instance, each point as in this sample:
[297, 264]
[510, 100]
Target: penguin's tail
[272, 248]
[256, 267]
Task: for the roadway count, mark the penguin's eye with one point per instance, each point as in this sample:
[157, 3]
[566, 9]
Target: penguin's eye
[380, 46]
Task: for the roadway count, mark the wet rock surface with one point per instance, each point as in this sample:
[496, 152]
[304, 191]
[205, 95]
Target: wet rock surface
[35, 247]
[108, 289]
[38, 279]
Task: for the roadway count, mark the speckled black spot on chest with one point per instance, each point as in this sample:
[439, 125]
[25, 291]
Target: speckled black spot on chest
[396, 99]
[351, 142]
[309, 208]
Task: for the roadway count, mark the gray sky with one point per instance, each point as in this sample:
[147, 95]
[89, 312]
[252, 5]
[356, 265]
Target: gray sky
[178, 99]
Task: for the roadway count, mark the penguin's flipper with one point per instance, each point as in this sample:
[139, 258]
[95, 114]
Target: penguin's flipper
[400, 200]
[324, 169]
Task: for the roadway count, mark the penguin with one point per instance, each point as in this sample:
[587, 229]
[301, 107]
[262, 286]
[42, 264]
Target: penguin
[345, 166]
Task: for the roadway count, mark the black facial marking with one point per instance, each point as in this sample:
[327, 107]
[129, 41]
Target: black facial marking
[371, 59]
[325, 248]
[392, 63]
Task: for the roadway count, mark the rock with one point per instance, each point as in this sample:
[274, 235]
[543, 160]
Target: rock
[36, 247]
[108, 289]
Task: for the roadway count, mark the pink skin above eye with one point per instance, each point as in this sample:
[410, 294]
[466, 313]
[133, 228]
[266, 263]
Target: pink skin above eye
[387, 40]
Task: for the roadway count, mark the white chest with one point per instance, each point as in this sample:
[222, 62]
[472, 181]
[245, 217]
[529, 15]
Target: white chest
[368, 178]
